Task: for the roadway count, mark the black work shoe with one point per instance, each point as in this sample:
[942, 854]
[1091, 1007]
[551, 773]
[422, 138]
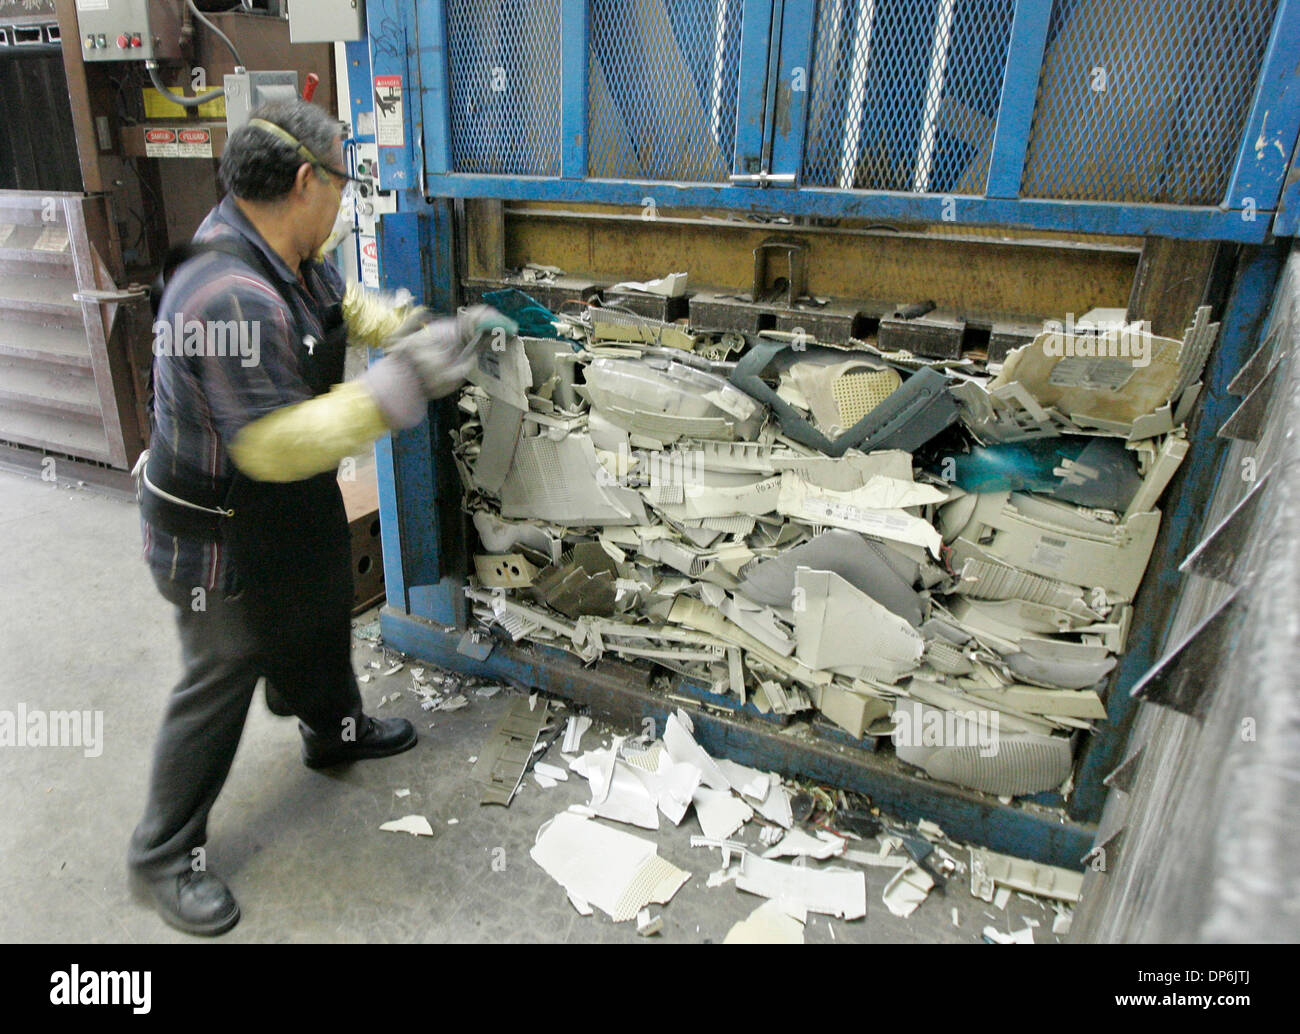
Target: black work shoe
[380, 738]
[193, 902]
[275, 701]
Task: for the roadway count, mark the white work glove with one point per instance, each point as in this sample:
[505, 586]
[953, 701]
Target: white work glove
[444, 351]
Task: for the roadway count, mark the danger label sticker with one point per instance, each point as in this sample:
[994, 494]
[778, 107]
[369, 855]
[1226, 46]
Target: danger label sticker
[194, 143]
[161, 143]
[389, 130]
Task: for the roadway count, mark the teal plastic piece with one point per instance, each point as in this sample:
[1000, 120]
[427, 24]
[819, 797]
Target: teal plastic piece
[533, 317]
[1102, 472]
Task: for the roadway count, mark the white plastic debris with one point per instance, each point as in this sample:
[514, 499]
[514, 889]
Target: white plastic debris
[832, 891]
[720, 876]
[573, 731]
[770, 923]
[682, 748]
[797, 843]
[720, 813]
[416, 825]
[877, 861]
[1024, 936]
[907, 889]
[648, 925]
[616, 872]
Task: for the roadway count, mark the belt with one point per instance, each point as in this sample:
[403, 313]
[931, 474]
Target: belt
[187, 506]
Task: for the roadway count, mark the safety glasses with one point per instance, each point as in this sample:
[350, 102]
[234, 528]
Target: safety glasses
[305, 152]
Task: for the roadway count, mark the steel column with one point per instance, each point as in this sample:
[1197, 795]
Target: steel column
[431, 71]
[751, 111]
[1019, 92]
[793, 81]
[575, 29]
[391, 38]
[1274, 122]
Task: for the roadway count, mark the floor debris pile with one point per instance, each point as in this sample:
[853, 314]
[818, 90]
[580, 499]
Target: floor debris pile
[806, 849]
[814, 864]
[944, 553]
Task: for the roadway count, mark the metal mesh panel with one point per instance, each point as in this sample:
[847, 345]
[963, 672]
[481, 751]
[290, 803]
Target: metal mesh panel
[503, 61]
[662, 81]
[1145, 101]
[904, 93]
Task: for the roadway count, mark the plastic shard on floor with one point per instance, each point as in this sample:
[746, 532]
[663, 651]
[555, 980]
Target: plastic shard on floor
[720, 813]
[505, 755]
[416, 825]
[616, 872]
[1024, 935]
[990, 870]
[906, 889]
[834, 892]
[574, 729]
[798, 844]
[771, 923]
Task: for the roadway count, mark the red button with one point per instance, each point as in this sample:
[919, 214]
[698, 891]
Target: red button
[135, 40]
[123, 41]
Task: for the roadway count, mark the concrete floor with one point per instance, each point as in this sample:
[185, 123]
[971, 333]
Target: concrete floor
[82, 627]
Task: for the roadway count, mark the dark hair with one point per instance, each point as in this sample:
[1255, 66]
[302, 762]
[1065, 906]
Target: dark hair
[259, 165]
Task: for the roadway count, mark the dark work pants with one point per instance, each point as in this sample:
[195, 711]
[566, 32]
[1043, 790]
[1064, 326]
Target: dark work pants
[206, 711]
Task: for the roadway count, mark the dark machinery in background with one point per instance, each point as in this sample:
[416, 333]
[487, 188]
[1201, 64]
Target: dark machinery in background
[116, 116]
[38, 148]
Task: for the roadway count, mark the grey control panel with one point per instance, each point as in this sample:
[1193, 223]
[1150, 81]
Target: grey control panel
[129, 30]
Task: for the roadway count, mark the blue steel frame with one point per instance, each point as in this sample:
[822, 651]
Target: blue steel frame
[771, 126]
[426, 609]
[1241, 330]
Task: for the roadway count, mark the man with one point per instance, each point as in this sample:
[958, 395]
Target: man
[244, 526]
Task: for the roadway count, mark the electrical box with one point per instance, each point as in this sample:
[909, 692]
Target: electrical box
[326, 21]
[247, 91]
[129, 30]
[372, 202]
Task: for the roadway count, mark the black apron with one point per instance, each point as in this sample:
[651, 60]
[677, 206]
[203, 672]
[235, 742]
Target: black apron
[287, 543]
